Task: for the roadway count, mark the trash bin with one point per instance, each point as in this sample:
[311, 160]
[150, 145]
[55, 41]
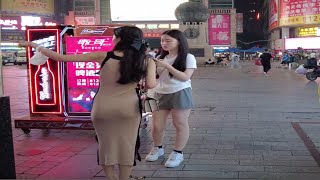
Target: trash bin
[7, 164]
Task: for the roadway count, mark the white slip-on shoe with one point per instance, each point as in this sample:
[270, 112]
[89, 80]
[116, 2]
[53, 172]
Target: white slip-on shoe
[154, 154]
[174, 160]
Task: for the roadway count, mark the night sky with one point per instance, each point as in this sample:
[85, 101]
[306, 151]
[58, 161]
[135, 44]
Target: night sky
[254, 28]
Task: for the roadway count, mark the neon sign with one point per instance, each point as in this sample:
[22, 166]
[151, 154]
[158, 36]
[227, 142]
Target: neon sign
[12, 23]
[93, 31]
[45, 80]
[45, 94]
[46, 42]
[8, 22]
[309, 31]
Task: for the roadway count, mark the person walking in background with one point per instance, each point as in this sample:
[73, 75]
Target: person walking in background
[235, 61]
[175, 67]
[115, 112]
[153, 52]
[266, 61]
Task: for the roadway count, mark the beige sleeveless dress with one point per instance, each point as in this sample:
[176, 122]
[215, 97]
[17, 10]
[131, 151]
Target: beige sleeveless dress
[116, 117]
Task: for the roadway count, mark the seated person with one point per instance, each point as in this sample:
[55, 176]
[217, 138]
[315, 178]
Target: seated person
[210, 61]
[219, 59]
[285, 59]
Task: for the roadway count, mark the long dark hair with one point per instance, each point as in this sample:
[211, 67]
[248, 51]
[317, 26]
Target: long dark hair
[183, 50]
[132, 65]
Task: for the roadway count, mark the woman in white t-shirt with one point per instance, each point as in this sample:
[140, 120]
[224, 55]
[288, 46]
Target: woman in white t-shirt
[175, 67]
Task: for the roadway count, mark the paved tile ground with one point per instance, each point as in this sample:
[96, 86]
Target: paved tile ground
[241, 128]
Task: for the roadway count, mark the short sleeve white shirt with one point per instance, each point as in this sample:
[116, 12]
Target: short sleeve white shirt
[169, 85]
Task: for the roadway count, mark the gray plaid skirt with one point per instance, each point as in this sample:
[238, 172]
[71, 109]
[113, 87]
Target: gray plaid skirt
[178, 100]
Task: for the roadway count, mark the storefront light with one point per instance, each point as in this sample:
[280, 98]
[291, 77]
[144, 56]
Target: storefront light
[141, 26]
[174, 26]
[8, 44]
[152, 26]
[9, 28]
[223, 47]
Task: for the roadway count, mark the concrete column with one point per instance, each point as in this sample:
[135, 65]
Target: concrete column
[285, 33]
[233, 27]
[275, 35]
[200, 42]
[97, 12]
[206, 3]
[105, 12]
[7, 164]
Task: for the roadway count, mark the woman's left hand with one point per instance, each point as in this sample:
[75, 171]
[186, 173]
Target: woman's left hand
[161, 63]
[24, 43]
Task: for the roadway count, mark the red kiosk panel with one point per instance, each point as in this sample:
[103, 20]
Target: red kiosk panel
[45, 80]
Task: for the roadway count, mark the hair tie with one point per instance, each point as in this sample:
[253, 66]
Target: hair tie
[137, 43]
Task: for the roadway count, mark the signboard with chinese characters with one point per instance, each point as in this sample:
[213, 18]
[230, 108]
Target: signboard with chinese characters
[20, 22]
[299, 12]
[239, 22]
[82, 77]
[10, 35]
[32, 7]
[219, 29]
[273, 14]
[308, 31]
[85, 20]
[154, 33]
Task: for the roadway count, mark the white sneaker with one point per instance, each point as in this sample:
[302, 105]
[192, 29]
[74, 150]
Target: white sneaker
[174, 160]
[154, 154]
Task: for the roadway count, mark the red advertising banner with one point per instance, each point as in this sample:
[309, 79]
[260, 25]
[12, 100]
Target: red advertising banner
[299, 12]
[273, 14]
[82, 77]
[219, 29]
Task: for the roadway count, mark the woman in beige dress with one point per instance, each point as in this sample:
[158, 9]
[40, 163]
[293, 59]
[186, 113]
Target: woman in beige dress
[115, 112]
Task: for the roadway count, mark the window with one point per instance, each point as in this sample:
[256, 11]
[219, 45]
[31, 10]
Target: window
[215, 4]
[84, 3]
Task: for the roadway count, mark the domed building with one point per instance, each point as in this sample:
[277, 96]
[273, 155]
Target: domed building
[210, 26]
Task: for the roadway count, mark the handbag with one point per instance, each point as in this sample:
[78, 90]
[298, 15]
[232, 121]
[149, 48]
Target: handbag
[258, 62]
[149, 104]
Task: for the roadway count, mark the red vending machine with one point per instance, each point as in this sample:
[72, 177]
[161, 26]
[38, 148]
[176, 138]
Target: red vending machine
[60, 93]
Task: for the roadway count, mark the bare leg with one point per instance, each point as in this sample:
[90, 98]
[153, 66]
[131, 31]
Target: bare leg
[158, 125]
[180, 122]
[109, 172]
[124, 172]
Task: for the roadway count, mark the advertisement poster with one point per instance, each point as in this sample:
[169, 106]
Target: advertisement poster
[83, 77]
[273, 14]
[219, 29]
[32, 7]
[239, 22]
[299, 12]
